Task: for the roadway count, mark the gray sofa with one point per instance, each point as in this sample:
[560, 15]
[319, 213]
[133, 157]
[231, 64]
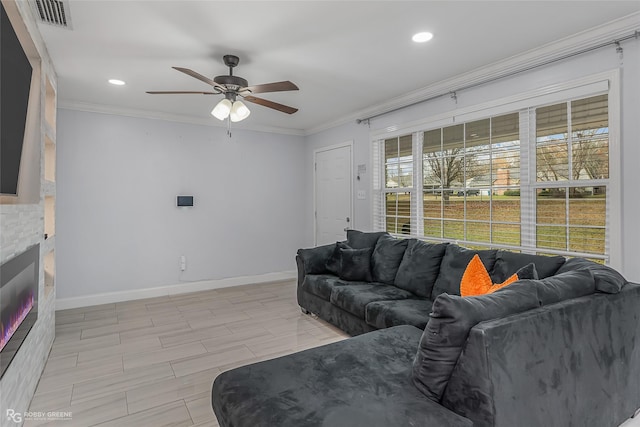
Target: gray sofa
[560, 350]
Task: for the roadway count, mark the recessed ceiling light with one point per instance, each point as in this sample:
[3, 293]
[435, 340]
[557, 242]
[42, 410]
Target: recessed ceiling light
[116, 82]
[422, 37]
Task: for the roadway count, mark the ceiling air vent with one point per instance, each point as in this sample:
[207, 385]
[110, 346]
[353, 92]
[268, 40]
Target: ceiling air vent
[53, 12]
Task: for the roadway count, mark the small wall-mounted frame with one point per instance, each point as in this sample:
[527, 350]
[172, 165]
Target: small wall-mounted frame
[184, 201]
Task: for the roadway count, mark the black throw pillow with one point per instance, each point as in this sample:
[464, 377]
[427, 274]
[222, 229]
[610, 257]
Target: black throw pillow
[451, 319]
[355, 264]
[333, 263]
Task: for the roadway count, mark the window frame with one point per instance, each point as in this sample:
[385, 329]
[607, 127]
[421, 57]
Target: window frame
[597, 84]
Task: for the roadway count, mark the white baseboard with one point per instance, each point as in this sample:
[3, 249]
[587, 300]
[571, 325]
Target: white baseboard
[180, 288]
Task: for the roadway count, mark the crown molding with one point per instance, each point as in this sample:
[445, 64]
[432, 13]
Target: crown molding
[546, 54]
[156, 115]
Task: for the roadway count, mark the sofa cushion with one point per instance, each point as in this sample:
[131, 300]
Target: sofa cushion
[419, 268]
[507, 263]
[386, 258]
[385, 314]
[360, 382]
[563, 286]
[454, 263]
[451, 319]
[354, 298]
[361, 240]
[321, 285]
[355, 264]
[315, 259]
[607, 279]
[476, 279]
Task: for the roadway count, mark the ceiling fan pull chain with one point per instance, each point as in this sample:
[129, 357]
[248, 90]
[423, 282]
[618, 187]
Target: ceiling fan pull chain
[229, 127]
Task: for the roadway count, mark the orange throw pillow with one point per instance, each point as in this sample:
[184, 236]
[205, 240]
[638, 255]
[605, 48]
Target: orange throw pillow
[476, 279]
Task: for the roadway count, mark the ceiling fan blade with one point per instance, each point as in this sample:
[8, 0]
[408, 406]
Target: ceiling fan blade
[271, 104]
[200, 77]
[271, 87]
[178, 92]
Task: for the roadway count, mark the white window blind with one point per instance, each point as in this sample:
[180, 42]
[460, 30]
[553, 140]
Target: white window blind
[397, 187]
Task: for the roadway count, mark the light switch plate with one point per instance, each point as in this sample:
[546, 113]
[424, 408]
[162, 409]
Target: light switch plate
[362, 194]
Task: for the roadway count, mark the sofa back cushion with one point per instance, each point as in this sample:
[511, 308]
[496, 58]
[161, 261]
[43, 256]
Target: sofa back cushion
[419, 268]
[507, 263]
[560, 287]
[386, 258]
[607, 279]
[451, 319]
[564, 286]
[361, 240]
[454, 263]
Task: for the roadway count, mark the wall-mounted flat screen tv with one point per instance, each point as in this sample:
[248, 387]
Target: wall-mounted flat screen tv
[15, 82]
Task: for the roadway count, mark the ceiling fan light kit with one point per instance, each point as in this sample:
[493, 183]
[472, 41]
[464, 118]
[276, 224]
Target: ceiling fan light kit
[232, 87]
[222, 109]
[239, 111]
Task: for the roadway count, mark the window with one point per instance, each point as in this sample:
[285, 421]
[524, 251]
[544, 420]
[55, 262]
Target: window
[534, 180]
[398, 183]
[572, 175]
[471, 181]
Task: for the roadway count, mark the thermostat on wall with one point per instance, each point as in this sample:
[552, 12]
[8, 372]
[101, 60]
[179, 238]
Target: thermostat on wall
[184, 201]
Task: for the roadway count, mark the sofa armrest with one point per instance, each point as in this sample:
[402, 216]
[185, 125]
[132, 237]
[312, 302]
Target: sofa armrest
[576, 362]
[301, 271]
[313, 260]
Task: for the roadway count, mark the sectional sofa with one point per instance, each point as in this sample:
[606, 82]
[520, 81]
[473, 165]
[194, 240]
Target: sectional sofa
[559, 348]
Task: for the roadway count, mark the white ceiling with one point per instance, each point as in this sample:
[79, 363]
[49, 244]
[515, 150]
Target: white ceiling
[344, 56]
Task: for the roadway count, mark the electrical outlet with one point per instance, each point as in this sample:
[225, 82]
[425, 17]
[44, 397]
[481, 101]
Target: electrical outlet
[183, 263]
[362, 194]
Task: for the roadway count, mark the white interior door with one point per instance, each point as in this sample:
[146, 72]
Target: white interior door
[333, 196]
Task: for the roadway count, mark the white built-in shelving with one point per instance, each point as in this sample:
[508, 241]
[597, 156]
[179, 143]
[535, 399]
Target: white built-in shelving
[49, 186]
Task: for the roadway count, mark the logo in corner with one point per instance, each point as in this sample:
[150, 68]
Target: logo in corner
[14, 416]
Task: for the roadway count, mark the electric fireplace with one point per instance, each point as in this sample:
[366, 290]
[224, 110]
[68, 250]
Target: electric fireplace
[18, 302]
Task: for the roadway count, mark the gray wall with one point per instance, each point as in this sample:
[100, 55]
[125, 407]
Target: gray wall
[118, 227]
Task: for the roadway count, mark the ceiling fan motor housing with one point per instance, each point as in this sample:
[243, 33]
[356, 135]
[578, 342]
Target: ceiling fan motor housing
[231, 82]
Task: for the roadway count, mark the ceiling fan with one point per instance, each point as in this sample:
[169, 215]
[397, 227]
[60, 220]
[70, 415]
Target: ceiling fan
[233, 87]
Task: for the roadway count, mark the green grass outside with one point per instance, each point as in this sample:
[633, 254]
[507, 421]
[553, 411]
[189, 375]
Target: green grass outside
[586, 220]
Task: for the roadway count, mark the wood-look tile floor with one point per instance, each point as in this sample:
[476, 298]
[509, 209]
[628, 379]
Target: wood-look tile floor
[151, 362]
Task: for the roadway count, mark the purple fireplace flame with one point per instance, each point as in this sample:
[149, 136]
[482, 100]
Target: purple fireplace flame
[18, 302]
[15, 319]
